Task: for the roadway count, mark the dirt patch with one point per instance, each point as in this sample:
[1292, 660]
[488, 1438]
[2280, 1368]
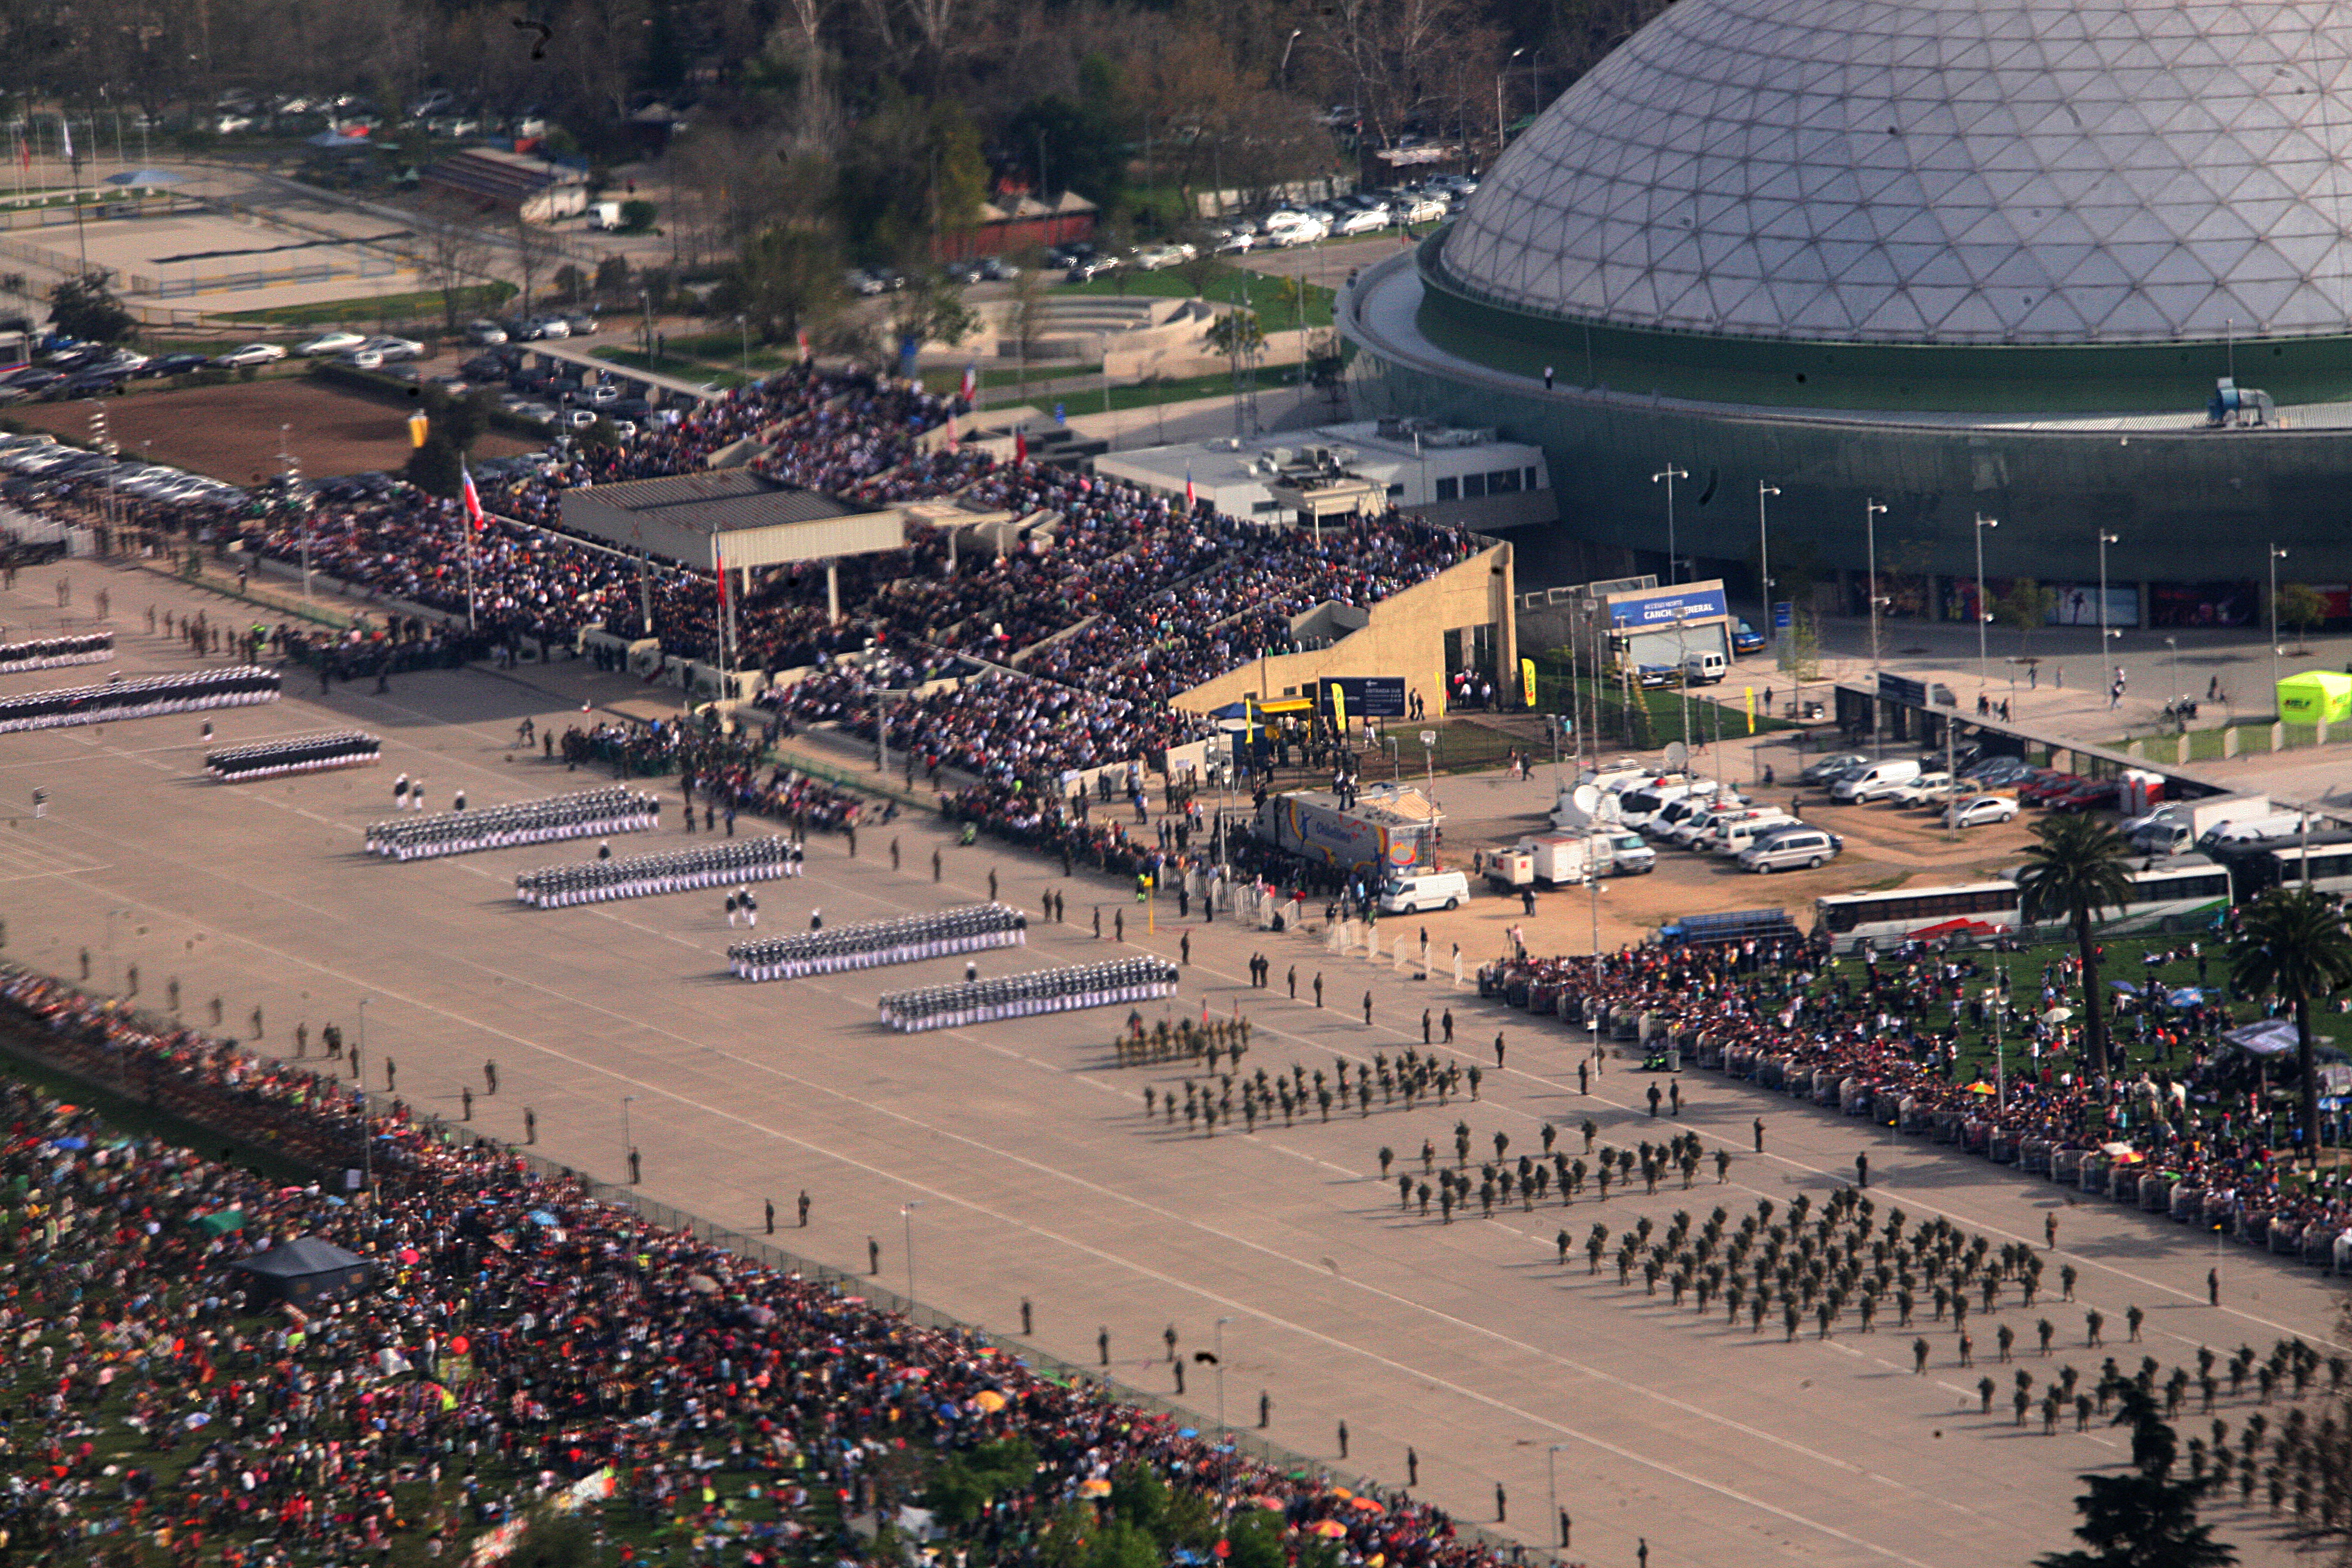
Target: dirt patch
[232, 432]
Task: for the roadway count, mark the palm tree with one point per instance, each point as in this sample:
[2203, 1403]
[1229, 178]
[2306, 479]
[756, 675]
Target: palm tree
[2293, 942]
[2074, 870]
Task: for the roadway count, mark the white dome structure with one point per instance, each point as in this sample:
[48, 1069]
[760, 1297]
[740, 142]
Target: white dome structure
[1937, 171]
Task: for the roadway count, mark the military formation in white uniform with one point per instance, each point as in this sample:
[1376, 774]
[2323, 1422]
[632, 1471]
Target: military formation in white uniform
[147, 697]
[56, 653]
[300, 754]
[870, 945]
[731, 863]
[580, 815]
[1023, 995]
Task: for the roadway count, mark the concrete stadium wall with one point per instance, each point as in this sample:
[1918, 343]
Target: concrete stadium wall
[1404, 636]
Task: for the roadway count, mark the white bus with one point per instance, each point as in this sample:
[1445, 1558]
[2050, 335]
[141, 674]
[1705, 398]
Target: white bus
[2188, 892]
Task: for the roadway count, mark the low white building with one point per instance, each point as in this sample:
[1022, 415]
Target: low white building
[1469, 477]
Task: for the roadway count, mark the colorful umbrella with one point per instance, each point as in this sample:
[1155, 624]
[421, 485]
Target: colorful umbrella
[1327, 1527]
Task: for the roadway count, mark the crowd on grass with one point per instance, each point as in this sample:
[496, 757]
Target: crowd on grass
[1888, 1039]
[515, 1336]
[1105, 602]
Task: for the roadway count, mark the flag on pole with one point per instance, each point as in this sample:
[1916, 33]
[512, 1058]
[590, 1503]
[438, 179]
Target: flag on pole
[473, 497]
[970, 384]
[1021, 445]
[65, 128]
[1189, 496]
[805, 356]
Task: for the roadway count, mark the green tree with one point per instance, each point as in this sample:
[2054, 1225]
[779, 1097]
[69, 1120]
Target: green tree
[2301, 607]
[2074, 869]
[2026, 605]
[1236, 332]
[931, 310]
[433, 466]
[784, 279]
[2144, 1519]
[2293, 942]
[1084, 149]
[913, 169]
[613, 277]
[87, 308]
[637, 215]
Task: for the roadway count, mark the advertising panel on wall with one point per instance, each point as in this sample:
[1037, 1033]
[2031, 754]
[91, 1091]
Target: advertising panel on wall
[1660, 607]
[2077, 604]
[1367, 696]
[2203, 604]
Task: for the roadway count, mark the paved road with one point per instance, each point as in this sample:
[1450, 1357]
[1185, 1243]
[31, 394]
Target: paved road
[1037, 1175]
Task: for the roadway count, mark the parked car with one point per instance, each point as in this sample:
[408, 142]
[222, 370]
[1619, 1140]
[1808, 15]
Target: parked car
[361, 358]
[552, 326]
[1979, 810]
[1744, 641]
[2091, 795]
[1236, 241]
[581, 326]
[178, 363]
[1825, 769]
[88, 383]
[485, 333]
[1919, 791]
[2047, 788]
[1090, 268]
[1364, 220]
[392, 348]
[1799, 847]
[1160, 257]
[251, 354]
[1422, 209]
[330, 343]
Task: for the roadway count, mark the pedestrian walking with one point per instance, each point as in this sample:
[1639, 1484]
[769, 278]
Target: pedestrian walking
[1411, 1467]
[873, 1256]
[1102, 1345]
[1026, 1325]
[1502, 1504]
[530, 1125]
[771, 1206]
[1367, 1009]
[1862, 1170]
[465, 1103]
[1499, 1050]
[636, 1168]
[2212, 1287]
[2050, 1231]
[1760, 1136]
[1343, 1439]
[490, 1077]
[1265, 1410]
[803, 1208]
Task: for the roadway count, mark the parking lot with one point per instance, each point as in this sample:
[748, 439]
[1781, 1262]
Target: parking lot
[237, 432]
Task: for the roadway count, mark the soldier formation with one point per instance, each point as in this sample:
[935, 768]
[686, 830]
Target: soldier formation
[579, 815]
[870, 945]
[56, 653]
[728, 863]
[301, 754]
[146, 698]
[1021, 995]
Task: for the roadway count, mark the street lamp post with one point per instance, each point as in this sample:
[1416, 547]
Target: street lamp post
[1983, 522]
[1506, 66]
[2106, 539]
[906, 1213]
[367, 1132]
[1668, 475]
[1682, 669]
[2277, 555]
[1764, 563]
[2173, 699]
[1870, 509]
[626, 1144]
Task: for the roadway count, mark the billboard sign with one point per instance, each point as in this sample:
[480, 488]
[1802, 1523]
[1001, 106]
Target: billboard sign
[1784, 615]
[1367, 696]
[1659, 609]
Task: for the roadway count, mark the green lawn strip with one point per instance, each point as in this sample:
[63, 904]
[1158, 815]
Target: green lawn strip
[374, 308]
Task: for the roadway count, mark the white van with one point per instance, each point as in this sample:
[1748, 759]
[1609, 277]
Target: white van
[1705, 667]
[1731, 837]
[1867, 784]
[1636, 807]
[1414, 891]
[1791, 848]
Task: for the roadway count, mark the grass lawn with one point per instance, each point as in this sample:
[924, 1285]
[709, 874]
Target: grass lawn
[376, 308]
[1222, 285]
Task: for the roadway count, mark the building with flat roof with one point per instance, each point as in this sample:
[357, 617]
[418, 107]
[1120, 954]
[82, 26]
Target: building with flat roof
[2078, 267]
[732, 514]
[1467, 478]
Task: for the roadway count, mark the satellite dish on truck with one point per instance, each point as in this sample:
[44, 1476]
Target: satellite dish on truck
[1588, 799]
[1676, 755]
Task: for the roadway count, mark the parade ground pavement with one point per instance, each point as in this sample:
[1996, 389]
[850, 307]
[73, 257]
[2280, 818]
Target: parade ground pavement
[1017, 1160]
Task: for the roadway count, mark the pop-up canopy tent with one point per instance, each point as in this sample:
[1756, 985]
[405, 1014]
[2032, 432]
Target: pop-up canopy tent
[305, 1271]
[2316, 697]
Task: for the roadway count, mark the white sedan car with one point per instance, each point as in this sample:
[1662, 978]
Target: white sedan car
[330, 343]
[1979, 811]
[252, 353]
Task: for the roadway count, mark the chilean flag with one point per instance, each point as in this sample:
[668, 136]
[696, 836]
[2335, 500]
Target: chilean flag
[1190, 499]
[971, 384]
[1021, 445]
[473, 498]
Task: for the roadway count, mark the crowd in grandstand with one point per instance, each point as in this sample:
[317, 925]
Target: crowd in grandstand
[1891, 1038]
[1109, 602]
[515, 1335]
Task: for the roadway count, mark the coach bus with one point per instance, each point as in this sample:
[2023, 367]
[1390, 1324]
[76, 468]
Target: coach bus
[2188, 892]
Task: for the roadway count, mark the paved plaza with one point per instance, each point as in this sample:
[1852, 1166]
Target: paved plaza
[1033, 1171]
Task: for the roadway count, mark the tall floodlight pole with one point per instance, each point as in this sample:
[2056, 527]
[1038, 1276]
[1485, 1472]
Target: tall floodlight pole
[2106, 539]
[1983, 522]
[1870, 511]
[1667, 476]
[2277, 555]
[1764, 563]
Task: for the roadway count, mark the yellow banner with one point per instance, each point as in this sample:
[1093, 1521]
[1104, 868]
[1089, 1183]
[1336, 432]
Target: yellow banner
[1528, 681]
[1339, 707]
[1752, 708]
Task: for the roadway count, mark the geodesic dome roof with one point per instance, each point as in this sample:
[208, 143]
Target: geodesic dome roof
[1946, 171]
